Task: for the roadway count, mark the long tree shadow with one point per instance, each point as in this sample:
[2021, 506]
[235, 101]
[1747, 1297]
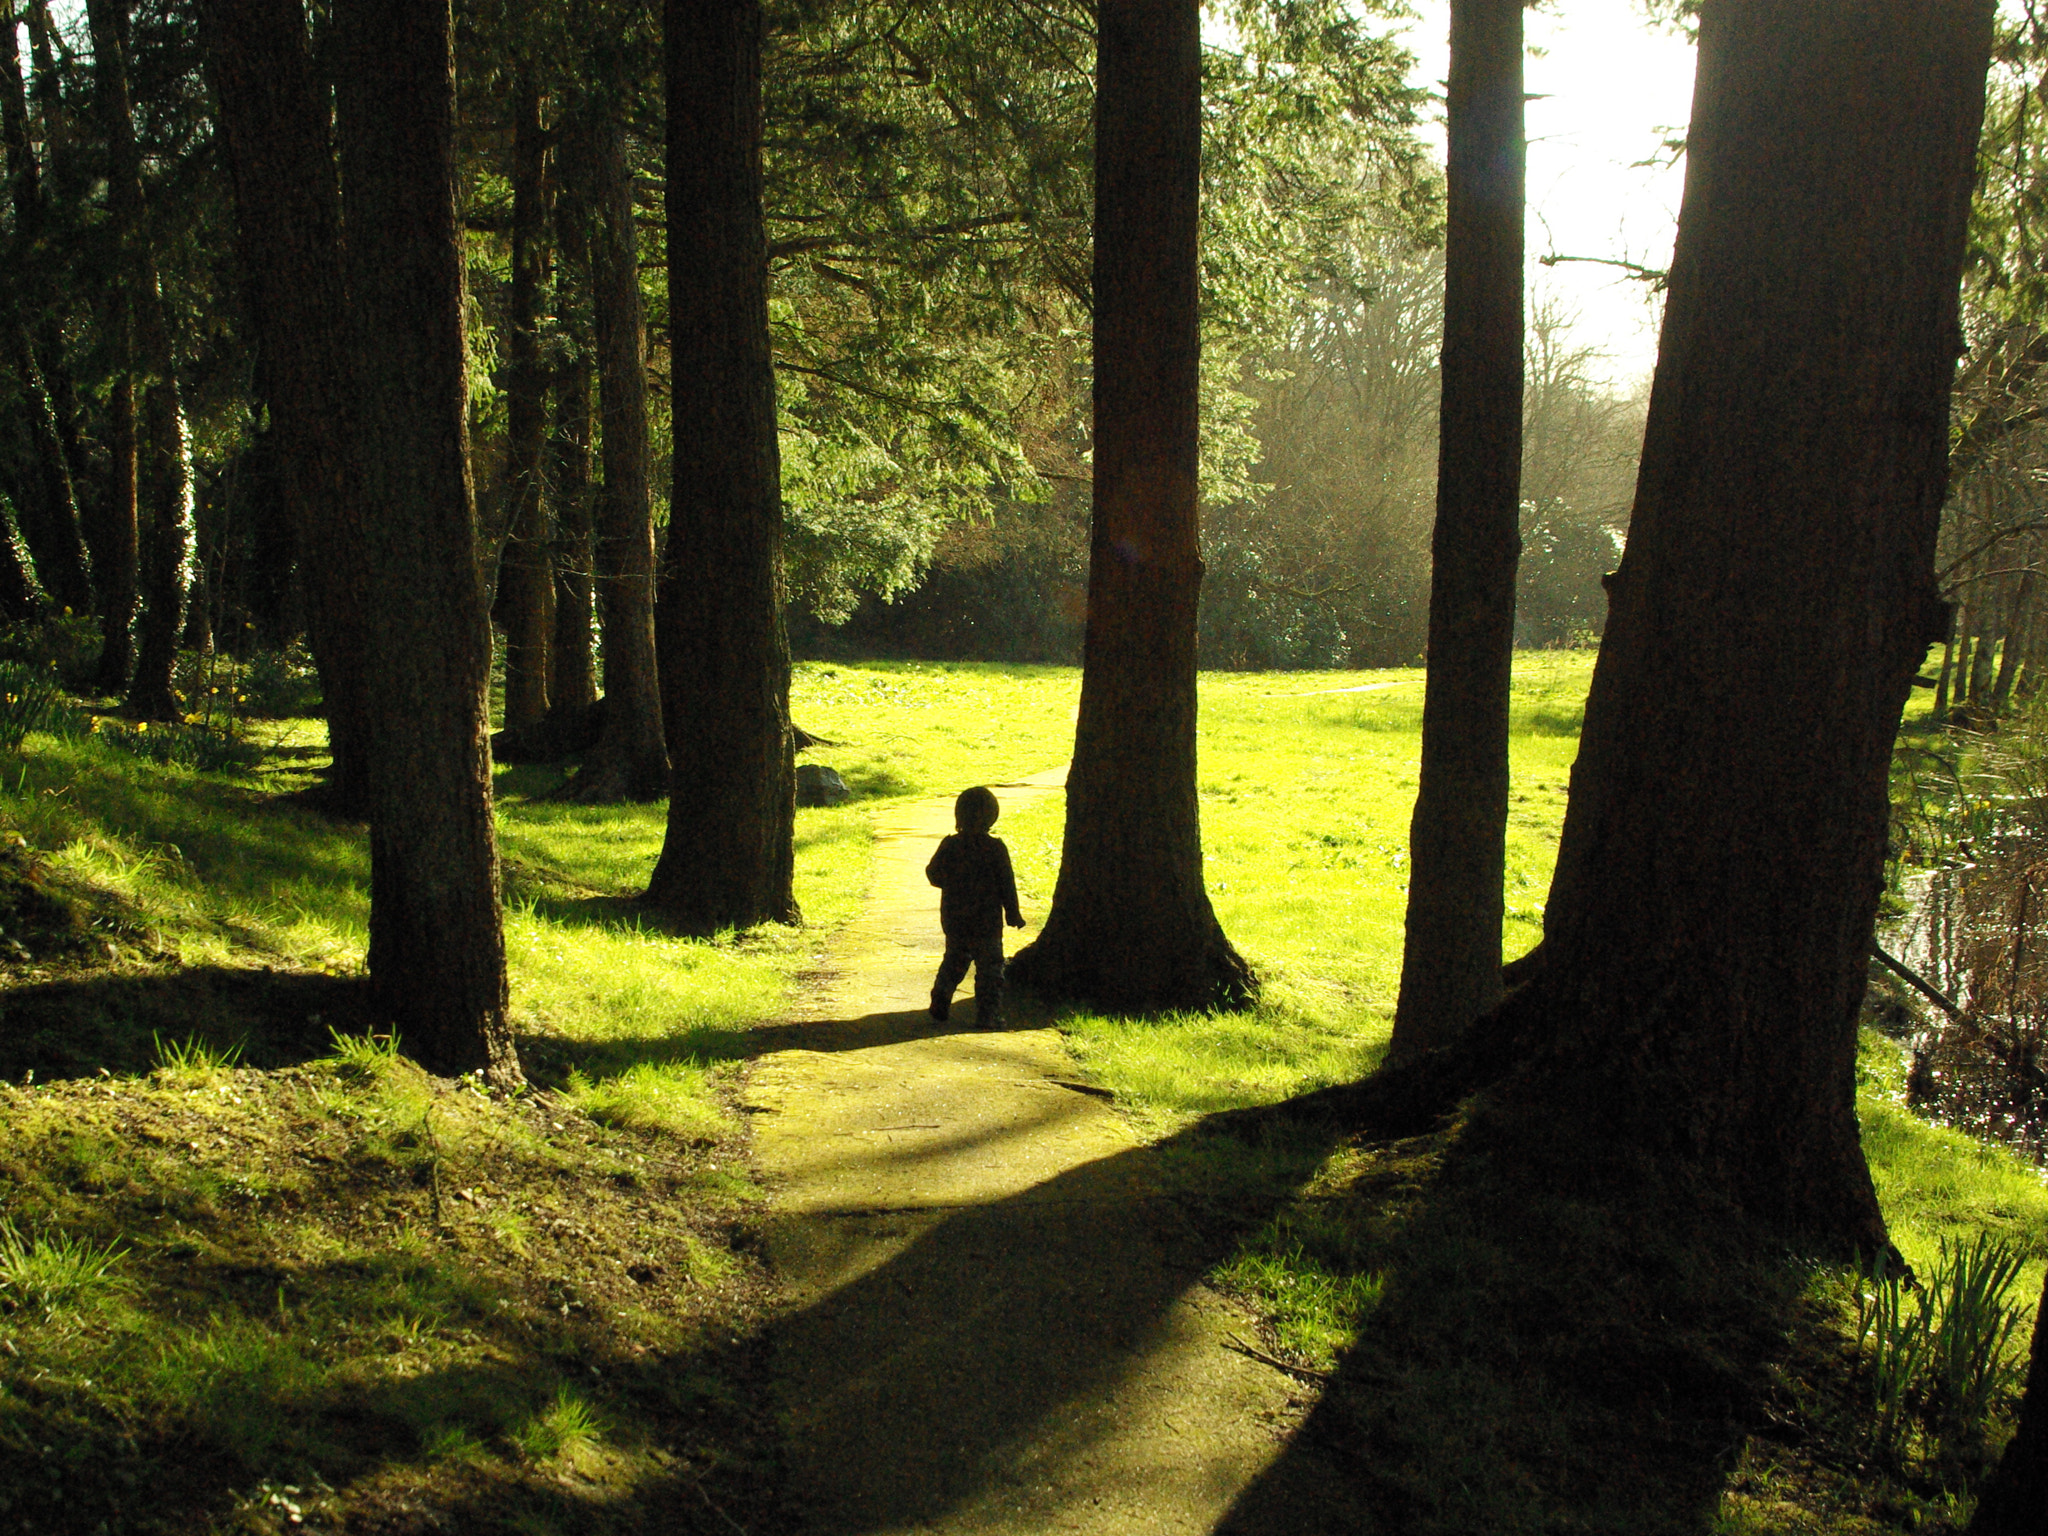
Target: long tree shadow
[995, 1356]
[123, 1023]
[1568, 1340]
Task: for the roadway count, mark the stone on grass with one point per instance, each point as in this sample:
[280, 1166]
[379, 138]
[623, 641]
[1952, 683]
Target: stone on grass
[818, 785]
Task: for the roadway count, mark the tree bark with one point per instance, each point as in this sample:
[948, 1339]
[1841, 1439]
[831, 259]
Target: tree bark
[572, 659]
[118, 560]
[1450, 966]
[1708, 930]
[1983, 652]
[274, 130]
[630, 760]
[50, 517]
[164, 482]
[525, 604]
[2015, 635]
[1131, 927]
[728, 859]
[1950, 637]
[437, 952]
[2015, 1499]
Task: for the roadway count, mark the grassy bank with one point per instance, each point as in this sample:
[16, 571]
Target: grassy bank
[259, 1273]
[257, 1267]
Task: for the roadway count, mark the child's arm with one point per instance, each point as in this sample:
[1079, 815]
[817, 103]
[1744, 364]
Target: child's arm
[1015, 913]
[940, 870]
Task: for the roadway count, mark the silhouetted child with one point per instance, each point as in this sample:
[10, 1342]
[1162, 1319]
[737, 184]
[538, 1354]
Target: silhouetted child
[977, 890]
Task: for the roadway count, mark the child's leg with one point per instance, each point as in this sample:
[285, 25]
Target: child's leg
[988, 982]
[952, 968]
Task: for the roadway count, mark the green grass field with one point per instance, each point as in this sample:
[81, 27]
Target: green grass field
[408, 1269]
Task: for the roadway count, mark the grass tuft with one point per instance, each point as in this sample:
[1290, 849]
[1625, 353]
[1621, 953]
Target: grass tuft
[193, 1061]
[56, 1273]
[567, 1426]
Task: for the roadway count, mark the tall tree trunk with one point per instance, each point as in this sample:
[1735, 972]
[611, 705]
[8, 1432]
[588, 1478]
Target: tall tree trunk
[274, 128]
[50, 508]
[2015, 1500]
[1982, 653]
[118, 560]
[1131, 926]
[630, 760]
[437, 948]
[47, 504]
[164, 481]
[525, 580]
[572, 658]
[1950, 638]
[728, 860]
[1708, 930]
[49, 98]
[2016, 619]
[1450, 966]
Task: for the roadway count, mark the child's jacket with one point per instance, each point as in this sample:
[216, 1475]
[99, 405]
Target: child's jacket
[976, 885]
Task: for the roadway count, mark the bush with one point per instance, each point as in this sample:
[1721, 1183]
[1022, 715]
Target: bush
[66, 644]
[28, 698]
[206, 747]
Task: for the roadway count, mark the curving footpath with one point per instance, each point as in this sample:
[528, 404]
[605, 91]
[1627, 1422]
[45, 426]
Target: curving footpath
[996, 1322]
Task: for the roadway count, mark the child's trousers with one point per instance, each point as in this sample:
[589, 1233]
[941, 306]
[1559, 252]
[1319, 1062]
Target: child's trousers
[986, 956]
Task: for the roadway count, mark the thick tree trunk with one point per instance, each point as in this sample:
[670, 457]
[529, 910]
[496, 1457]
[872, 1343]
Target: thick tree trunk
[437, 951]
[1707, 934]
[274, 129]
[630, 760]
[525, 603]
[118, 560]
[2015, 1500]
[572, 659]
[164, 481]
[728, 860]
[1450, 967]
[1131, 927]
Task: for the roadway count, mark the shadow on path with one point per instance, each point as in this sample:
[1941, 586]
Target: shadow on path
[1048, 1361]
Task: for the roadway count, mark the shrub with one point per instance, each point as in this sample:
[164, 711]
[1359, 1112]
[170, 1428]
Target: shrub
[280, 684]
[28, 697]
[208, 748]
[66, 644]
[1940, 1352]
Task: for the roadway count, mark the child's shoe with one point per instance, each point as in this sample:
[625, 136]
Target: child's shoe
[941, 1007]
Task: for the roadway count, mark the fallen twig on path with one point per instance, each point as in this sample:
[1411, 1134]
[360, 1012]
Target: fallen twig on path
[1232, 1341]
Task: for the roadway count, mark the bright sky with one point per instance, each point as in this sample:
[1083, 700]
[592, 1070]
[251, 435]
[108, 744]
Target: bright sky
[1611, 88]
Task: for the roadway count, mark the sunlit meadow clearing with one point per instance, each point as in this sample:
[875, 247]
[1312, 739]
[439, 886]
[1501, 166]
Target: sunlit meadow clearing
[1307, 781]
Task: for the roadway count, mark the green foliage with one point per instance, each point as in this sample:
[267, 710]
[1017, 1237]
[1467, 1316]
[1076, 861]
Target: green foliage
[28, 699]
[1943, 1351]
[177, 744]
[277, 684]
[65, 645]
[929, 221]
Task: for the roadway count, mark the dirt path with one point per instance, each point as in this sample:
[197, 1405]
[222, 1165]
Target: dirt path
[998, 1324]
